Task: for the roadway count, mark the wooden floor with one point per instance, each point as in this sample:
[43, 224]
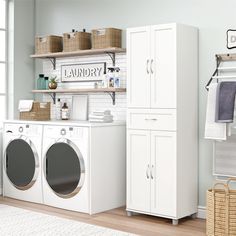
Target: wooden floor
[117, 219]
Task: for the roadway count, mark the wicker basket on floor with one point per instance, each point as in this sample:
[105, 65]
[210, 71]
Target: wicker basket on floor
[221, 210]
[105, 38]
[48, 44]
[76, 41]
[40, 112]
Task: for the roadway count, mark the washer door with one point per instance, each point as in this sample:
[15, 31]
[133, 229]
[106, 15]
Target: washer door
[64, 168]
[21, 163]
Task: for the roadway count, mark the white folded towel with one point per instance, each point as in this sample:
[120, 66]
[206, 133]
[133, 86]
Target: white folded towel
[101, 113]
[110, 117]
[25, 105]
[213, 130]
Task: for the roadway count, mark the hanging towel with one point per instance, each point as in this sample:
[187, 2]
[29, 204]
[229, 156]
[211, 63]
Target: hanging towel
[213, 130]
[25, 105]
[225, 99]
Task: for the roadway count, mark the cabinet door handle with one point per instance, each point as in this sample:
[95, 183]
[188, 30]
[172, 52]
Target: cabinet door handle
[147, 172]
[147, 66]
[151, 66]
[151, 172]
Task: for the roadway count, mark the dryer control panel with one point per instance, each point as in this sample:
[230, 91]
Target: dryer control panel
[65, 132]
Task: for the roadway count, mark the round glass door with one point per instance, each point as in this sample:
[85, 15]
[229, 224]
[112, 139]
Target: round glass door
[21, 163]
[64, 169]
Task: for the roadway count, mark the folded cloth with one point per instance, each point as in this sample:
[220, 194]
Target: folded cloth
[25, 105]
[225, 99]
[101, 117]
[100, 121]
[101, 113]
[213, 130]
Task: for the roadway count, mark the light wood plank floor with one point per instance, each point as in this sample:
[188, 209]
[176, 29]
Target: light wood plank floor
[117, 219]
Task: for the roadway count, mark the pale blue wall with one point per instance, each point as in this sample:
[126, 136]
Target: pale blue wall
[212, 17]
[21, 66]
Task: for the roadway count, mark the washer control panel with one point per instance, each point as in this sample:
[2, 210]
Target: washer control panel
[23, 129]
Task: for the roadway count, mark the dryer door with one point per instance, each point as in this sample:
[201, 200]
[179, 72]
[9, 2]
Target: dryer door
[21, 163]
[64, 168]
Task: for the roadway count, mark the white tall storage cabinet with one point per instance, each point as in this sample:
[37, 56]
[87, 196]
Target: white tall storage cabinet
[162, 120]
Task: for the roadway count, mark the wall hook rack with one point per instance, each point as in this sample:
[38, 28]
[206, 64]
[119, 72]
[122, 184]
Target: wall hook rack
[219, 59]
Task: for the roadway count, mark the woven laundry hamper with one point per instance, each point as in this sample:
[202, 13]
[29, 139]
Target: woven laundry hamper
[221, 210]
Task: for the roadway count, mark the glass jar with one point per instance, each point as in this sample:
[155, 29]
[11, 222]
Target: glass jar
[46, 81]
[40, 82]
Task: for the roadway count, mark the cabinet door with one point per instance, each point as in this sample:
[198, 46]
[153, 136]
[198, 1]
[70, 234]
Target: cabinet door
[138, 172]
[138, 67]
[163, 173]
[163, 66]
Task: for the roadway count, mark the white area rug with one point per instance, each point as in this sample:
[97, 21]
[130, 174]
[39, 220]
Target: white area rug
[19, 222]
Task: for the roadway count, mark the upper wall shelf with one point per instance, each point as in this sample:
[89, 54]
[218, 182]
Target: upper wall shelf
[52, 56]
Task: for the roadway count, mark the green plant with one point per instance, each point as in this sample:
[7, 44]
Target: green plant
[53, 79]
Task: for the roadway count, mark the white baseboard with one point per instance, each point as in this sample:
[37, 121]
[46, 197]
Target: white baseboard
[201, 212]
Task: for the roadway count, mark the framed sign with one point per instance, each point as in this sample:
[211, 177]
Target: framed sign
[83, 72]
[231, 39]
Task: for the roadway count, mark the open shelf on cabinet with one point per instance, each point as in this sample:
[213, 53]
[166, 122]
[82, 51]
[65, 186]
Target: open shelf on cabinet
[53, 56]
[111, 91]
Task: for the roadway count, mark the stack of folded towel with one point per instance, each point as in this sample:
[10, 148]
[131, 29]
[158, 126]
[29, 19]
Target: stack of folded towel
[101, 116]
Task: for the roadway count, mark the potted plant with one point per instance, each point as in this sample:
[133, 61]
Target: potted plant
[53, 82]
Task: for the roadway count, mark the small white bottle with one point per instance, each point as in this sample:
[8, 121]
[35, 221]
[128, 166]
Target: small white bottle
[65, 112]
[58, 109]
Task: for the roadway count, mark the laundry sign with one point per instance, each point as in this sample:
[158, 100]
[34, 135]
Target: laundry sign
[83, 72]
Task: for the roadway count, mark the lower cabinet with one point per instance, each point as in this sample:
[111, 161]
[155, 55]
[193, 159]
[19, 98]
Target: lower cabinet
[151, 172]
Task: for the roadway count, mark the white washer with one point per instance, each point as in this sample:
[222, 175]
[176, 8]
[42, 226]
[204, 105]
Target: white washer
[65, 172]
[22, 161]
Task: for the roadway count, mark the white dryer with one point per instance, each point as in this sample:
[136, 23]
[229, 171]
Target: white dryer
[22, 161]
[65, 173]
[84, 166]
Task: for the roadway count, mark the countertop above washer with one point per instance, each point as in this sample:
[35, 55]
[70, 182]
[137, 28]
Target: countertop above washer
[68, 122]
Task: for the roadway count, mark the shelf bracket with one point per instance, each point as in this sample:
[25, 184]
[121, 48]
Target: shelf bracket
[53, 61]
[53, 96]
[113, 97]
[112, 55]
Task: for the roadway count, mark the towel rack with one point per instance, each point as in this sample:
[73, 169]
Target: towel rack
[222, 58]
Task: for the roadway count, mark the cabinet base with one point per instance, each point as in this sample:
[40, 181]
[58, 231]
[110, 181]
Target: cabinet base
[175, 222]
[131, 213]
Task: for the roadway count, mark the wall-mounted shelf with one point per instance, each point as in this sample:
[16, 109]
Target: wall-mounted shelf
[111, 91]
[53, 56]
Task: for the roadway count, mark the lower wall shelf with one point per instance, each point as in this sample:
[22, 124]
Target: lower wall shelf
[111, 91]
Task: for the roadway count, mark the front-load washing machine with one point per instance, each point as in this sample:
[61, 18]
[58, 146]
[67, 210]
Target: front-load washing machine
[22, 144]
[65, 159]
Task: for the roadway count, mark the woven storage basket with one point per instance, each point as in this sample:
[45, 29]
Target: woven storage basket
[39, 111]
[76, 41]
[48, 44]
[221, 210]
[105, 38]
